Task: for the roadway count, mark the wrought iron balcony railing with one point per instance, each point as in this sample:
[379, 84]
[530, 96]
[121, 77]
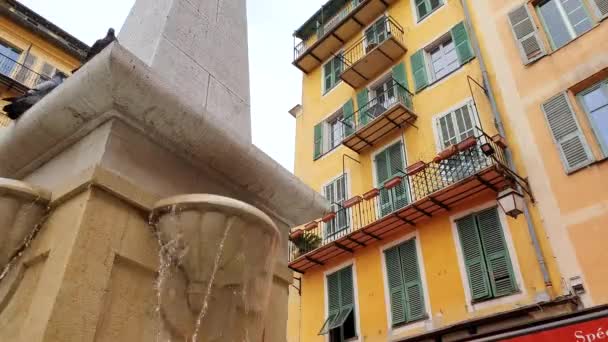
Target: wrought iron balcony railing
[19, 72]
[421, 191]
[381, 31]
[389, 109]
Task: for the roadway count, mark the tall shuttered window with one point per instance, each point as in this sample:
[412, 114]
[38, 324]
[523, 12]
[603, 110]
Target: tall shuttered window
[455, 126]
[442, 57]
[328, 134]
[340, 322]
[564, 20]
[404, 283]
[567, 134]
[389, 164]
[486, 256]
[331, 73]
[336, 194]
[595, 102]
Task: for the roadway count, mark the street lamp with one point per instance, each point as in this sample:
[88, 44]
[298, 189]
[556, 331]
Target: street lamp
[511, 201]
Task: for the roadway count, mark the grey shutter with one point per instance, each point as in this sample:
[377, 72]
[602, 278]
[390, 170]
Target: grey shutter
[496, 253]
[473, 258]
[395, 285]
[528, 40]
[411, 281]
[602, 7]
[567, 134]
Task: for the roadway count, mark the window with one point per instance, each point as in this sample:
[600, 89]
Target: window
[389, 164]
[455, 126]
[336, 193]
[329, 133]
[442, 57]
[426, 7]
[595, 102]
[404, 283]
[331, 73]
[340, 322]
[564, 20]
[25, 74]
[376, 34]
[486, 256]
[47, 72]
[8, 58]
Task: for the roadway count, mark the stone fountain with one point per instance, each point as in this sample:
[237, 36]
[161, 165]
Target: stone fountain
[117, 249]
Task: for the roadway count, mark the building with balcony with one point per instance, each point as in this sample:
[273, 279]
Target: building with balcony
[405, 128]
[549, 61]
[32, 49]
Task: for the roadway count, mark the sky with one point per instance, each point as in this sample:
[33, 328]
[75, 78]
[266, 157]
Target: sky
[275, 82]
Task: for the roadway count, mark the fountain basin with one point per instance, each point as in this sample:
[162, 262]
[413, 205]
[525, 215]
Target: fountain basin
[22, 207]
[222, 251]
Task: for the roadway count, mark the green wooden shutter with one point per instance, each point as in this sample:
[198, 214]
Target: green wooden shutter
[327, 76]
[473, 258]
[411, 279]
[400, 75]
[333, 302]
[421, 78]
[567, 134]
[496, 253]
[460, 38]
[348, 113]
[318, 140]
[347, 294]
[362, 107]
[395, 285]
[397, 167]
[528, 40]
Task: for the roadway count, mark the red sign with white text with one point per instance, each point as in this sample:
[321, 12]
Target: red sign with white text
[589, 331]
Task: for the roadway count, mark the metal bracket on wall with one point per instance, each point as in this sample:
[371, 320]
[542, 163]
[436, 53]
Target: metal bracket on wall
[299, 287]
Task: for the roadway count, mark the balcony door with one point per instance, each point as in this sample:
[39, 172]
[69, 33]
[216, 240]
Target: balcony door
[383, 96]
[376, 34]
[8, 58]
[388, 164]
[336, 194]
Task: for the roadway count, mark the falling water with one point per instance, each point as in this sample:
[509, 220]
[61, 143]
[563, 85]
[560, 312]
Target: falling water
[216, 263]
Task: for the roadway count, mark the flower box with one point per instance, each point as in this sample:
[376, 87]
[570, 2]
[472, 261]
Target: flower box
[328, 217]
[487, 149]
[466, 144]
[445, 154]
[415, 168]
[371, 194]
[500, 141]
[393, 182]
[351, 202]
[296, 234]
[311, 225]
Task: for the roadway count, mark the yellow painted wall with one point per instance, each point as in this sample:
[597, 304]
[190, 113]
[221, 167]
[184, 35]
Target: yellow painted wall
[574, 208]
[445, 286]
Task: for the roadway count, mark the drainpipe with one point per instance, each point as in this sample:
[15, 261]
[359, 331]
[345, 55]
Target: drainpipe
[501, 129]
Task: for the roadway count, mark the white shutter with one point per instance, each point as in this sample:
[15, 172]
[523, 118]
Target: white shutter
[530, 45]
[568, 136]
[602, 7]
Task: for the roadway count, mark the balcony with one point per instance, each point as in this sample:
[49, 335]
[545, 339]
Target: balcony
[382, 46]
[18, 76]
[389, 110]
[321, 37]
[474, 167]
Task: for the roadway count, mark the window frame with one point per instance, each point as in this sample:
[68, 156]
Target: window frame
[349, 263]
[413, 324]
[327, 236]
[437, 126]
[603, 85]
[15, 61]
[336, 80]
[473, 306]
[419, 18]
[565, 19]
[428, 57]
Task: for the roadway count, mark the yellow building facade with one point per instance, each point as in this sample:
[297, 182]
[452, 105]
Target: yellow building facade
[416, 116]
[32, 49]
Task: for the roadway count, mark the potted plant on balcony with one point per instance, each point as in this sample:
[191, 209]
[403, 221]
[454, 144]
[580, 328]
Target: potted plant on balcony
[306, 242]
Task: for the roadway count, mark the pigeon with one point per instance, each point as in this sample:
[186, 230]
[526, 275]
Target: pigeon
[19, 105]
[98, 47]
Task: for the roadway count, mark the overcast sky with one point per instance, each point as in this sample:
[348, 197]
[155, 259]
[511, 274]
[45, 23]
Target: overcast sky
[275, 83]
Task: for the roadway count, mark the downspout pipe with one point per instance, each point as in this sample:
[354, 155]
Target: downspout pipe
[501, 129]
